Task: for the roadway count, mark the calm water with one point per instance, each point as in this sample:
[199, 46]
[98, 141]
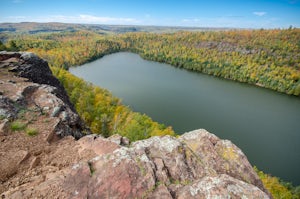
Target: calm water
[263, 123]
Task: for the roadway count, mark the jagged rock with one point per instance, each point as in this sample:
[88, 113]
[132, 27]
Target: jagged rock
[161, 192]
[119, 140]
[4, 126]
[161, 167]
[220, 186]
[7, 108]
[8, 55]
[56, 111]
[125, 141]
[29, 94]
[10, 161]
[224, 157]
[35, 70]
[97, 144]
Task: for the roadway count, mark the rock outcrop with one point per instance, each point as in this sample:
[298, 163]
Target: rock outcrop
[51, 163]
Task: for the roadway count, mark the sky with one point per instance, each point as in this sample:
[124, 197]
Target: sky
[191, 13]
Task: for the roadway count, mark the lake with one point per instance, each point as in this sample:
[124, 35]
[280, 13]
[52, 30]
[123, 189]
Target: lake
[263, 123]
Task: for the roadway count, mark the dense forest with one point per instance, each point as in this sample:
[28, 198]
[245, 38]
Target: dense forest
[266, 58]
[105, 114]
[101, 112]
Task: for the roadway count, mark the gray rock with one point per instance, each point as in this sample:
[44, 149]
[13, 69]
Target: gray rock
[56, 111]
[4, 127]
[29, 56]
[220, 186]
[125, 141]
[116, 138]
[7, 108]
[65, 116]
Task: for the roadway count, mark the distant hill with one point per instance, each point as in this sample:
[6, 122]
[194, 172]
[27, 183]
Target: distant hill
[33, 28]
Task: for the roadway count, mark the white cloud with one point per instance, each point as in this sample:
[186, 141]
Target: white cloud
[232, 22]
[194, 20]
[82, 18]
[95, 19]
[14, 19]
[260, 14]
[213, 22]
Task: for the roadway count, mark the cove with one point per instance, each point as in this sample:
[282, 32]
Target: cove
[263, 123]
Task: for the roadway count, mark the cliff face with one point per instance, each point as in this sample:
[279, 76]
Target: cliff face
[39, 157]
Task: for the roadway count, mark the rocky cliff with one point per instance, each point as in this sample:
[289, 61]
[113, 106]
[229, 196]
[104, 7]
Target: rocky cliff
[44, 154]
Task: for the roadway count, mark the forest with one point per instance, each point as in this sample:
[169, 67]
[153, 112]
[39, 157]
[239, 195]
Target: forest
[265, 58]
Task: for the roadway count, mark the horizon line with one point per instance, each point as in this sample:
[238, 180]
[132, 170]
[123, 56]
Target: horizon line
[142, 25]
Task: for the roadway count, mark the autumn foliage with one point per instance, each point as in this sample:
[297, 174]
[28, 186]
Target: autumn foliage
[266, 58]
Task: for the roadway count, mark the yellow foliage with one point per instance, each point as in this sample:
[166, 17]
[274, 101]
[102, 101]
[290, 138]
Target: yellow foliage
[273, 185]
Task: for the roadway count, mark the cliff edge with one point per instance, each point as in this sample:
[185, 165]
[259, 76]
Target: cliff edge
[45, 154]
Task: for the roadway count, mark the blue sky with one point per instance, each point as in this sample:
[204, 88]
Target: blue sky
[208, 13]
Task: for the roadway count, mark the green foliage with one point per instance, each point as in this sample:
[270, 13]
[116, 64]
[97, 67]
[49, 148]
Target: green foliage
[17, 126]
[31, 131]
[68, 48]
[278, 188]
[12, 46]
[2, 46]
[105, 114]
[267, 58]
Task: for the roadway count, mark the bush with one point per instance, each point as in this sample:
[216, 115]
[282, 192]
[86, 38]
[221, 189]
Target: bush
[277, 187]
[17, 126]
[31, 131]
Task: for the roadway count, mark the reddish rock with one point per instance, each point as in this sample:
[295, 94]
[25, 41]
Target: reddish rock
[161, 192]
[97, 144]
[220, 186]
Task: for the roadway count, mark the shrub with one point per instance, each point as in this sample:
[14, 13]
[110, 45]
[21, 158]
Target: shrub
[17, 126]
[277, 187]
[31, 131]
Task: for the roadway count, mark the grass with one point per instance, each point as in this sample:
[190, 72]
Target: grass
[17, 126]
[21, 113]
[20, 126]
[31, 131]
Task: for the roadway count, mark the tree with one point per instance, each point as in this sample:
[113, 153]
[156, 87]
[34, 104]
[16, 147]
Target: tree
[12, 46]
[2, 46]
